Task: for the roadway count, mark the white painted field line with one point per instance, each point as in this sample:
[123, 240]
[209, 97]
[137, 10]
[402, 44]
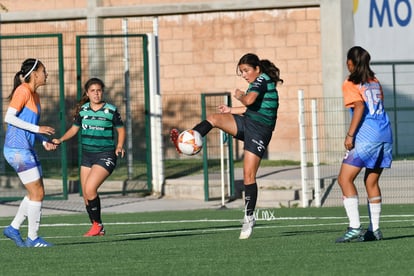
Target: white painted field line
[213, 230]
[213, 221]
[216, 230]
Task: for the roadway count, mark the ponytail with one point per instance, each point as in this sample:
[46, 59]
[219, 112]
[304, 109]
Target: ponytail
[28, 66]
[271, 70]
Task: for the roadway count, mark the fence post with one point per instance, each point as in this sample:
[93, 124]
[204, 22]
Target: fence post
[157, 162]
[302, 140]
[315, 150]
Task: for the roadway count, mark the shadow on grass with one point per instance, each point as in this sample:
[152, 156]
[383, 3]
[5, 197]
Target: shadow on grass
[398, 237]
[147, 235]
[181, 230]
[307, 232]
[180, 168]
[295, 233]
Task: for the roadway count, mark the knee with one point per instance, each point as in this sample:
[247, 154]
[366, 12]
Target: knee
[342, 180]
[212, 119]
[37, 194]
[249, 178]
[90, 194]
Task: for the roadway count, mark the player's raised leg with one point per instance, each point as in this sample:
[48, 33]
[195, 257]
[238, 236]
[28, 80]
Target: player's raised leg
[174, 133]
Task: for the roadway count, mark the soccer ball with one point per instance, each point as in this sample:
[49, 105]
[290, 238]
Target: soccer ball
[190, 142]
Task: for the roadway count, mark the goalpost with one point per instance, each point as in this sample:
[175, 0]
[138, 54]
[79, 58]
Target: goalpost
[217, 152]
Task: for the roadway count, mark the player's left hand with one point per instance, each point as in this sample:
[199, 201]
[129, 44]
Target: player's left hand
[120, 152]
[224, 108]
[349, 143]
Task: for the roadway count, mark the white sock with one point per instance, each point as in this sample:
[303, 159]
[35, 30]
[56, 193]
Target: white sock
[351, 208]
[374, 210]
[21, 214]
[33, 218]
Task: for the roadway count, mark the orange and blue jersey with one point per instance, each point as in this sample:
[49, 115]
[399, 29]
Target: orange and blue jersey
[27, 104]
[375, 124]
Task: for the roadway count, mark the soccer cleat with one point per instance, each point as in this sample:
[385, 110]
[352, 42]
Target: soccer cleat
[247, 228]
[97, 229]
[372, 236]
[350, 235]
[174, 133]
[14, 235]
[38, 242]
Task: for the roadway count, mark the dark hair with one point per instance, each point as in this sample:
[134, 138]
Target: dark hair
[28, 66]
[84, 99]
[265, 65]
[362, 72]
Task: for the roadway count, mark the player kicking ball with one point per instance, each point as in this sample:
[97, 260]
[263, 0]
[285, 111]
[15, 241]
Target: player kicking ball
[252, 122]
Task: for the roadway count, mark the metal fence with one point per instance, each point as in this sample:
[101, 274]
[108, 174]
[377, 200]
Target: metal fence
[126, 87]
[325, 122]
[122, 62]
[397, 79]
[323, 129]
[13, 49]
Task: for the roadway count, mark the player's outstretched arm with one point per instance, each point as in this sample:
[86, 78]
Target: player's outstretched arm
[68, 135]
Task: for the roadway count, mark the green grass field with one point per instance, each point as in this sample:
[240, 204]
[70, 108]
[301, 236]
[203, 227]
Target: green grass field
[285, 241]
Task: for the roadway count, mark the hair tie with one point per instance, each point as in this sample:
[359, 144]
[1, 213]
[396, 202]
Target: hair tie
[31, 70]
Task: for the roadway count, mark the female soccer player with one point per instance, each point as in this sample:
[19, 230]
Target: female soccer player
[368, 143]
[253, 123]
[22, 117]
[98, 120]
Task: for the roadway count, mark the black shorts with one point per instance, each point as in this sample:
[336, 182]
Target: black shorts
[105, 159]
[256, 136]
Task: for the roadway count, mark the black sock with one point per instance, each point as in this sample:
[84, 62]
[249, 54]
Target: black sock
[203, 128]
[95, 207]
[250, 198]
[88, 209]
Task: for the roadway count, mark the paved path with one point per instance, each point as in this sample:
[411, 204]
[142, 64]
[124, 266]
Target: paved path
[120, 204]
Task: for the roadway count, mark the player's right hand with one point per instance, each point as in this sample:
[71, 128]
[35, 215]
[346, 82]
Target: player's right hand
[56, 141]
